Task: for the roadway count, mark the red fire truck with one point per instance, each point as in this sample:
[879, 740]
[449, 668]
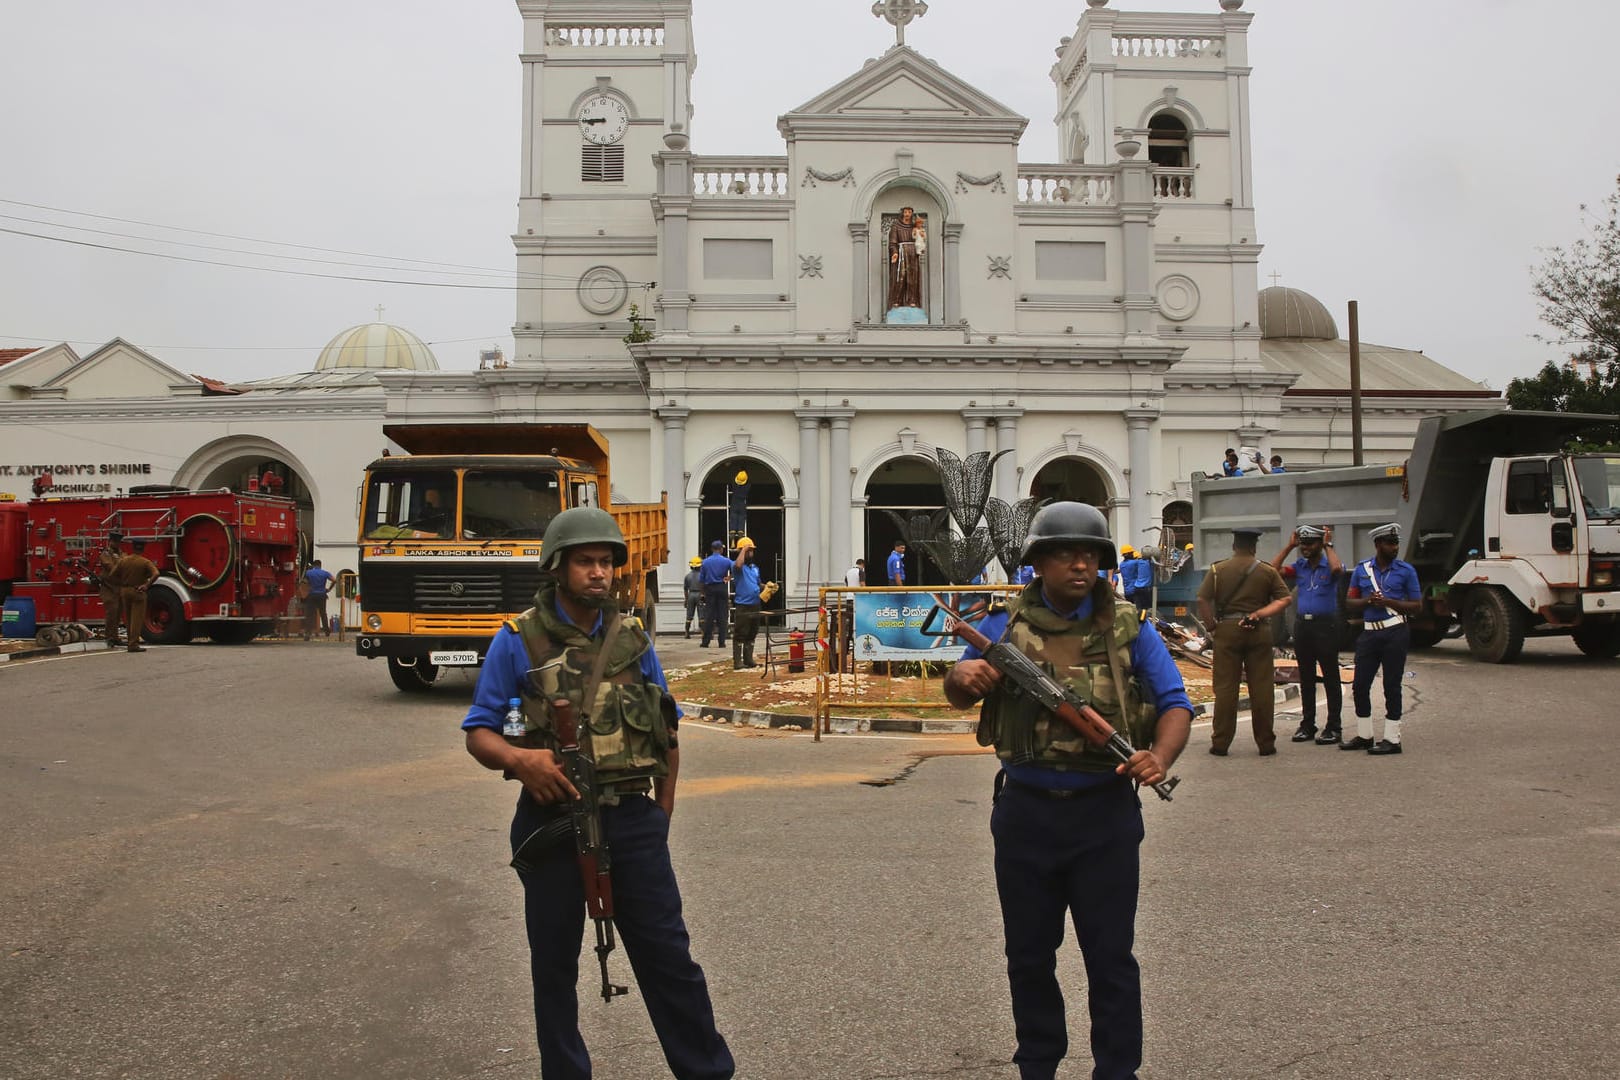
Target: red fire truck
[228, 560]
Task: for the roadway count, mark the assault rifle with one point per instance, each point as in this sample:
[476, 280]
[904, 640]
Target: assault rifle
[590, 845]
[1057, 698]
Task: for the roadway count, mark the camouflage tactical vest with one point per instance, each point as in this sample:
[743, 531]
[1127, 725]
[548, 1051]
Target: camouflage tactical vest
[631, 717]
[1075, 652]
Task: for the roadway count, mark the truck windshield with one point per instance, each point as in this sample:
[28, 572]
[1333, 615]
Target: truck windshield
[508, 505]
[1599, 478]
[401, 505]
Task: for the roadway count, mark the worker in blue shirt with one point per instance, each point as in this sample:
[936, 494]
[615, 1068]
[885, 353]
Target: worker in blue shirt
[1314, 577]
[1231, 466]
[319, 581]
[1385, 592]
[747, 604]
[715, 572]
[897, 564]
[1066, 823]
[1136, 578]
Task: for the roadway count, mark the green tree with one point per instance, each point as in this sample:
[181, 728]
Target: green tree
[1579, 286]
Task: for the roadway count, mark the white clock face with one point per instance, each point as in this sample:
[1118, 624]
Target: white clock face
[603, 120]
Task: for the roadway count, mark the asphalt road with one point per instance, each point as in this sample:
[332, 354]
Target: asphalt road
[264, 862]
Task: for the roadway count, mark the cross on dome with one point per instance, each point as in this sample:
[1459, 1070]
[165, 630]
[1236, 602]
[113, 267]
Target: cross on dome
[898, 13]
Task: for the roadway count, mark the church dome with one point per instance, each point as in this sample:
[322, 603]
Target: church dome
[377, 346]
[1291, 313]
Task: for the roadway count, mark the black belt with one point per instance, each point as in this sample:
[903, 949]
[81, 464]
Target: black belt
[1053, 793]
[1321, 618]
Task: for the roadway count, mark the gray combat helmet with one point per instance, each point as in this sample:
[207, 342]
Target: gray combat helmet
[577, 526]
[1070, 524]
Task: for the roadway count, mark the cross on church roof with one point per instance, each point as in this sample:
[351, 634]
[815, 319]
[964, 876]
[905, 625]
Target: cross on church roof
[379, 312]
[898, 13]
[1275, 277]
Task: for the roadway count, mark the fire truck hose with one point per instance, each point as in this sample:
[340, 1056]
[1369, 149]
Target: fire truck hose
[193, 578]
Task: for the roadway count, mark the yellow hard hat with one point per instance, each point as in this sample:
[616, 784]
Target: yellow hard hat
[695, 562]
[1126, 549]
[1189, 547]
[741, 477]
[745, 542]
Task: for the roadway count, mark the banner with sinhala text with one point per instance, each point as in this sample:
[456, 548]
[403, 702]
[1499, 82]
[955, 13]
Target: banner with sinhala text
[888, 626]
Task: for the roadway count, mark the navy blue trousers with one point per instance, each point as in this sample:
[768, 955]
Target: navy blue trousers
[1316, 646]
[648, 917]
[1381, 649]
[1077, 858]
[716, 610]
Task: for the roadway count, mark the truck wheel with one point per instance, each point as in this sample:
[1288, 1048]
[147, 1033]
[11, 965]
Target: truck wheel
[1428, 635]
[1495, 626]
[417, 678]
[1601, 641]
[165, 619]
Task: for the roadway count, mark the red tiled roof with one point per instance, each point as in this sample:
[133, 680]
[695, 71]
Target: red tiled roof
[8, 355]
[214, 386]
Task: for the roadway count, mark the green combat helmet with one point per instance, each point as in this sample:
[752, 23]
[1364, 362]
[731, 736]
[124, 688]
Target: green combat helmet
[1070, 524]
[578, 526]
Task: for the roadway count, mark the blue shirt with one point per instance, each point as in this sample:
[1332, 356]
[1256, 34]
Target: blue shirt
[1318, 586]
[715, 569]
[748, 584]
[507, 666]
[1025, 575]
[1150, 661]
[318, 580]
[897, 568]
[1399, 581]
[1136, 574]
[1230, 469]
[1277, 469]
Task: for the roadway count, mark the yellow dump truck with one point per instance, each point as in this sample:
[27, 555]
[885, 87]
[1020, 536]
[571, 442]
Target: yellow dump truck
[450, 537]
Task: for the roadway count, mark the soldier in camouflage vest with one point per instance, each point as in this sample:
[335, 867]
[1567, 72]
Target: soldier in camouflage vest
[1067, 823]
[550, 652]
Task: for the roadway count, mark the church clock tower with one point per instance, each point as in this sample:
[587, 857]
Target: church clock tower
[603, 81]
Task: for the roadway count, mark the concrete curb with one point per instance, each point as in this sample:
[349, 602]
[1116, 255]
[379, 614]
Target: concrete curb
[54, 650]
[852, 725]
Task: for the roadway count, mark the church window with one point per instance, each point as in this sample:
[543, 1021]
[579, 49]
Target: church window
[602, 164]
[1168, 142]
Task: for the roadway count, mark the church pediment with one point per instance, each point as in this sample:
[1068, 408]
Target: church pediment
[119, 370]
[900, 92]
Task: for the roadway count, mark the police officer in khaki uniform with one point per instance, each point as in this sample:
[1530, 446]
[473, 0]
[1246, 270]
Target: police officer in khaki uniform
[111, 609]
[575, 644]
[132, 575]
[1237, 600]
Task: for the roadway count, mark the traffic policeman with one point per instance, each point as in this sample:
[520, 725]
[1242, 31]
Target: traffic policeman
[1236, 601]
[1315, 577]
[1067, 824]
[1385, 592]
[575, 644]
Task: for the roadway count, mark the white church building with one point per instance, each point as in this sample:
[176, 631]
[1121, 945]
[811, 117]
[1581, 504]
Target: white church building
[894, 281]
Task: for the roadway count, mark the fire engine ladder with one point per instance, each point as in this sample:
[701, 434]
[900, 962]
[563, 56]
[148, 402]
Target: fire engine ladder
[162, 525]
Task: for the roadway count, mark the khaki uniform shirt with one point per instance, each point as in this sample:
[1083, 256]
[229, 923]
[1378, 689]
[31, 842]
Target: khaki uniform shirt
[131, 572]
[1260, 588]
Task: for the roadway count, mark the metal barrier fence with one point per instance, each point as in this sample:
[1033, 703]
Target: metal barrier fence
[839, 672]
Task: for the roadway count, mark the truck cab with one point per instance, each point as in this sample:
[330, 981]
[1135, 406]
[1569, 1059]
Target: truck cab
[1544, 556]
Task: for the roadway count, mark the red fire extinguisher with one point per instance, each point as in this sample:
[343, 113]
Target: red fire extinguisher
[796, 651]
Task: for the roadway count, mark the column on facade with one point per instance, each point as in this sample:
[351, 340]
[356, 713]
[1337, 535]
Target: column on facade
[1007, 468]
[1139, 423]
[975, 433]
[674, 421]
[672, 209]
[1137, 211]
[953, 272]
[845, 516]
[810, 498]
[860, 299]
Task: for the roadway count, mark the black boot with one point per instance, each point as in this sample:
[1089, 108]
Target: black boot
[748, 656]
[1329, 736]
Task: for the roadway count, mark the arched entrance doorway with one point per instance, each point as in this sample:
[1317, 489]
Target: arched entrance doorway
[1073, 479]
[257, 465]
[907, 486]
[753, 507]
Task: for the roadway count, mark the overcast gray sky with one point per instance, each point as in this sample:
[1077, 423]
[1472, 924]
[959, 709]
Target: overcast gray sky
[1412, 154]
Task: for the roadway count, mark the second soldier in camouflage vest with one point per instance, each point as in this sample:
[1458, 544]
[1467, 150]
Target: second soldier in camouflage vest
[1067, 824]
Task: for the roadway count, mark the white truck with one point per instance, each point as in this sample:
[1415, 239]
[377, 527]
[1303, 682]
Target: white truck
[1510, 534]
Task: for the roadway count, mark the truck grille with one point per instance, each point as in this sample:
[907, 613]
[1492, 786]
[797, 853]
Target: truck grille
[450, 590]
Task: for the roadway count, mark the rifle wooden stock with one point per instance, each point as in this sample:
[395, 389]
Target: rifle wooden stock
[590, 845]
[1057, 698]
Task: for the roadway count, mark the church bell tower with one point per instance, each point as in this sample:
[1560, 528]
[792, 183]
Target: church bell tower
[603, 81]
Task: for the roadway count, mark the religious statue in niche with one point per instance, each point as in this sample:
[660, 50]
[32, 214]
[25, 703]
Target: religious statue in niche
[906, 251]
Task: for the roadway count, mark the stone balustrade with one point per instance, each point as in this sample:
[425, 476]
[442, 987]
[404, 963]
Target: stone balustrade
[1059, 185]
[617, 37]
[1171, 183]
[740, 178]
[1158, 47]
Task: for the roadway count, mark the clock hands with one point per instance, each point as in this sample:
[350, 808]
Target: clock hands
[593, 120]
